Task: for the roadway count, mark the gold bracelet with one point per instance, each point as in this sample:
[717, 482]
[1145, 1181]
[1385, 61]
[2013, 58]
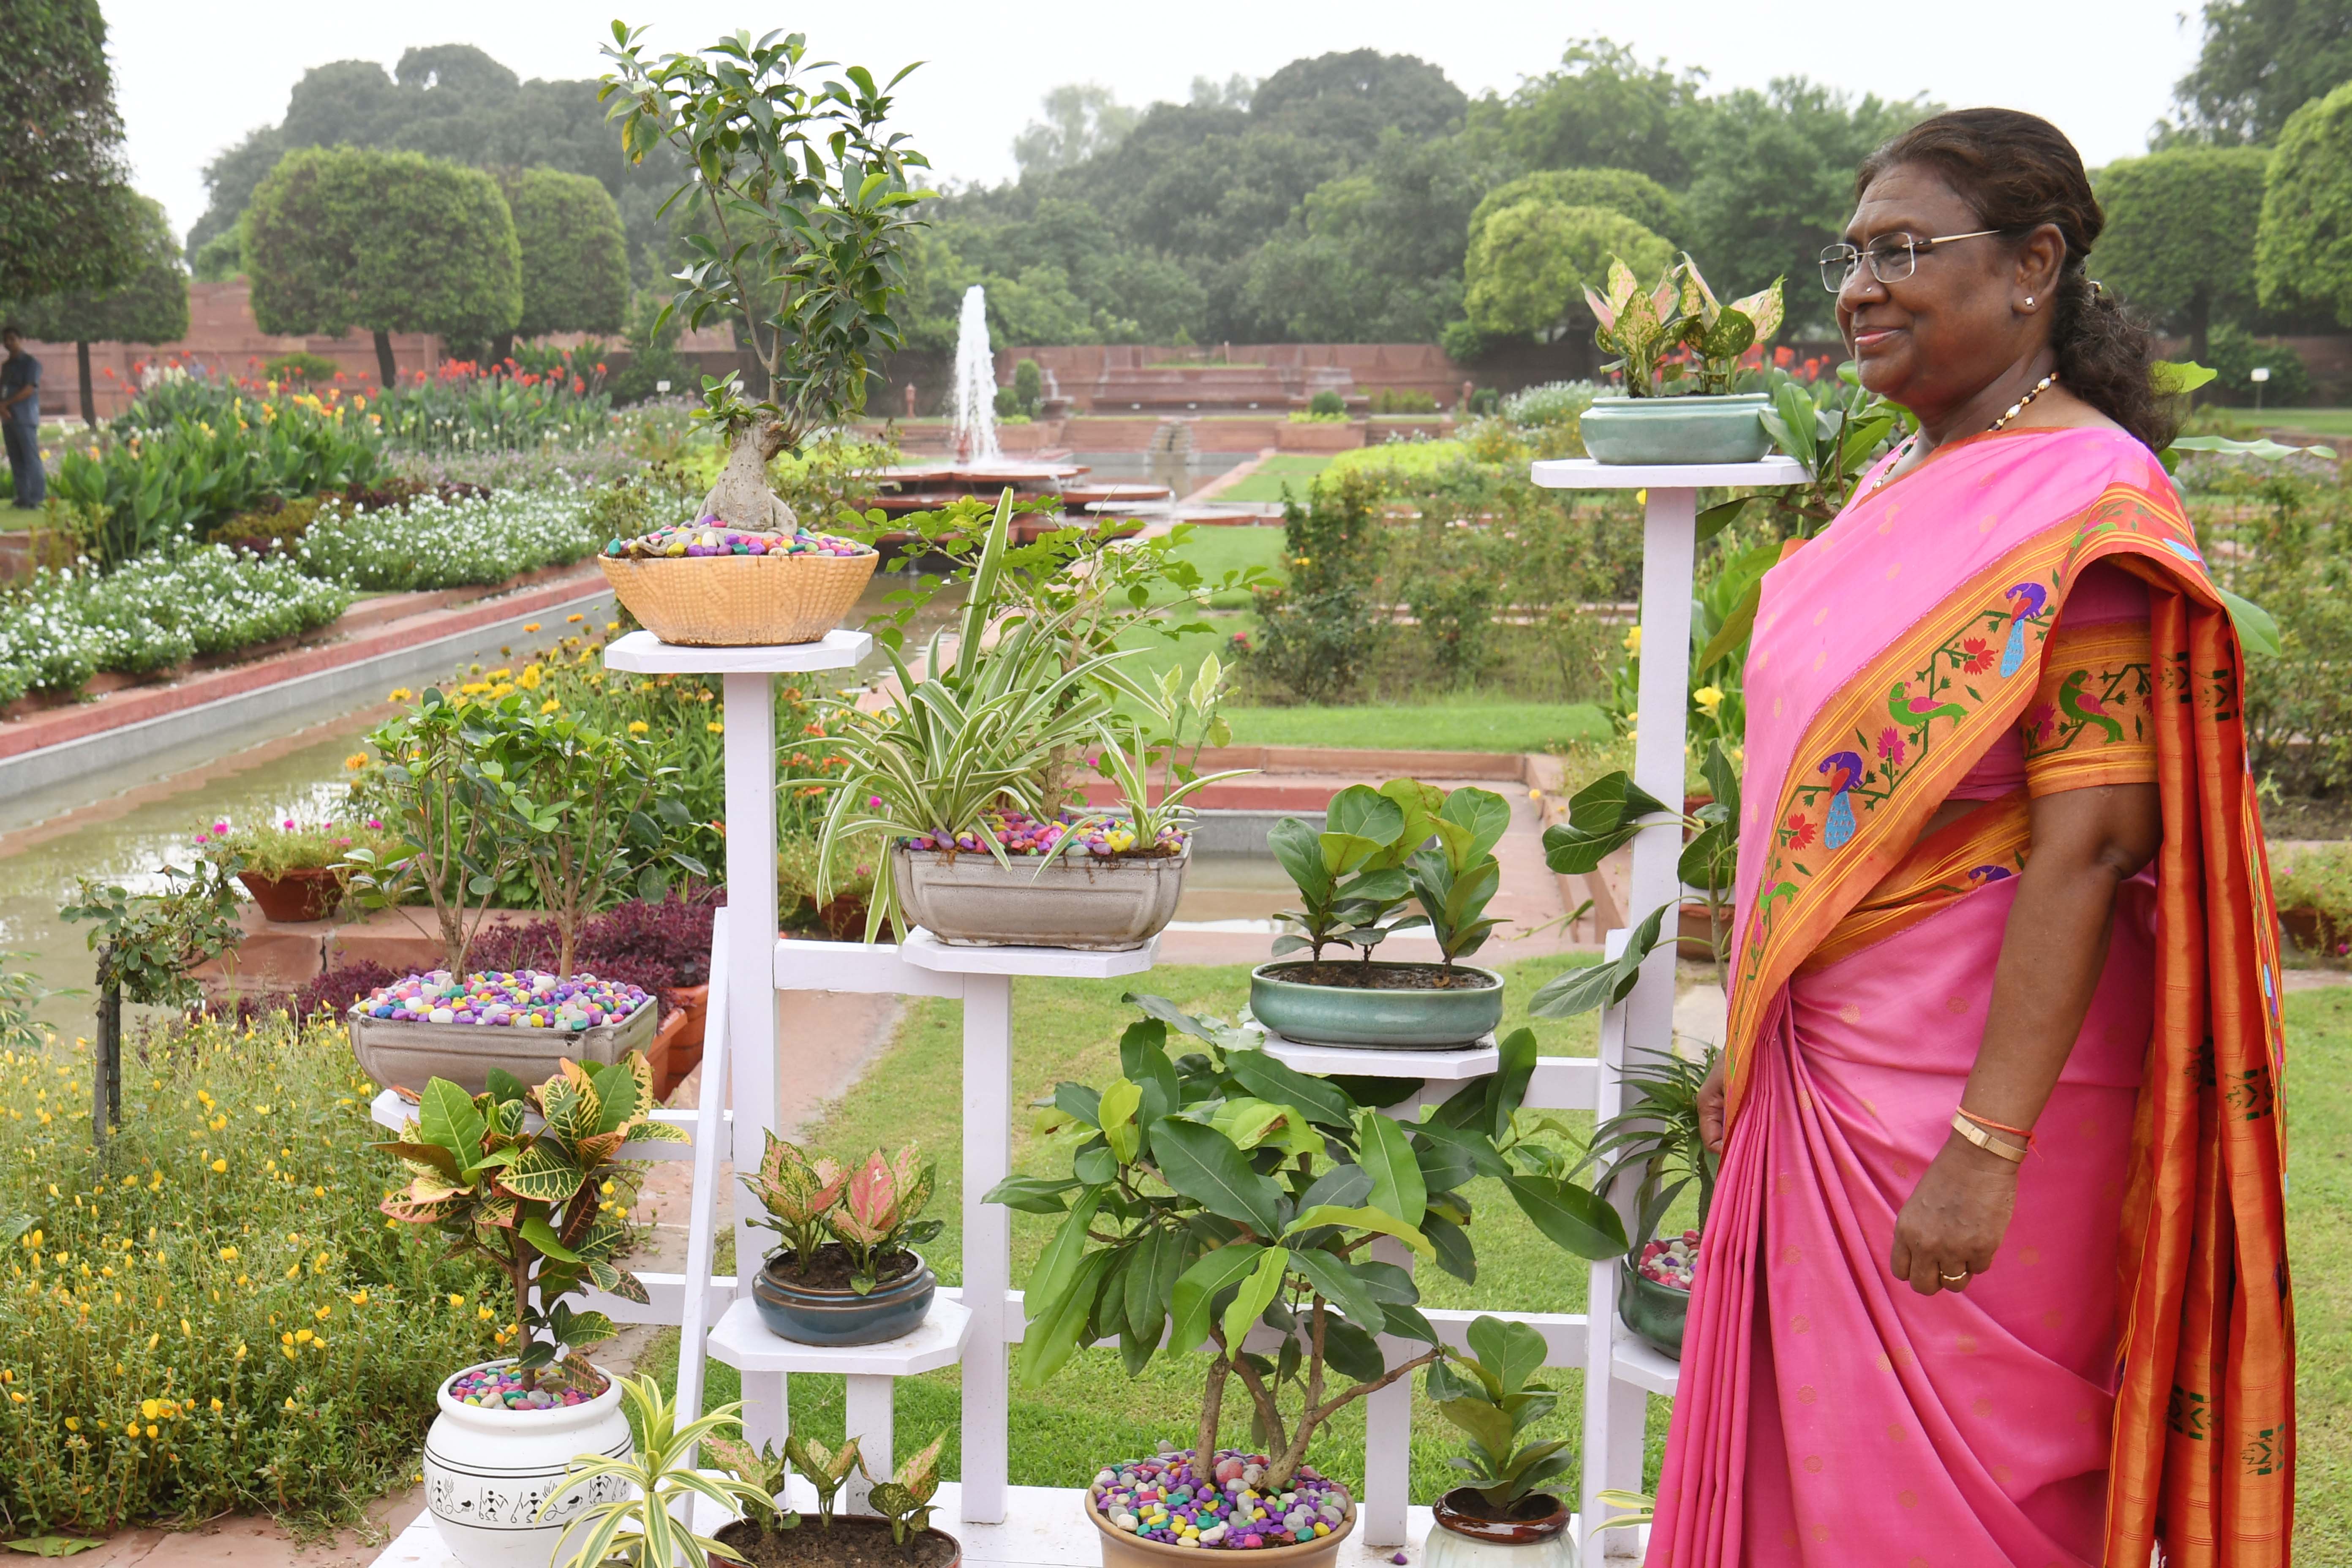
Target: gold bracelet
[1986, 1141]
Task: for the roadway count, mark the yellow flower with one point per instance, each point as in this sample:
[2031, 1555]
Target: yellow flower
[400, 694]
[289, 1402]
[219, 1166]
[355, 762]
[216, 1405]
[228, 1255]
[73, 1423]
[531, 626]
[457, 1300]
[529, 677]
[574, 619]
[1633, 641]
[550, 706]
[361, 1299]
[716, 729]
[1708, 700]
[638, 726]
[612, 626]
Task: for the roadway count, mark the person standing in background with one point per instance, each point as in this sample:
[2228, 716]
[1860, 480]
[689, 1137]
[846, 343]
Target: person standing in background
[20, 418]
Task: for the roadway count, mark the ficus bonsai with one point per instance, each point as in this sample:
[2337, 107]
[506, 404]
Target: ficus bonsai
[1222, 1200]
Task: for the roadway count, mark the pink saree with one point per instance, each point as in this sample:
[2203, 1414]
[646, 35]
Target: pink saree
[2123, 1375]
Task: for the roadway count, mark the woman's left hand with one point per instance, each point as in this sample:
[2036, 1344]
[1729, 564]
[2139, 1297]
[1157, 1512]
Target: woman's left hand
[1949, 1231]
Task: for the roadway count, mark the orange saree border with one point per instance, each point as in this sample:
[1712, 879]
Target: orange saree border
[1987, 845]
[2203, 1442]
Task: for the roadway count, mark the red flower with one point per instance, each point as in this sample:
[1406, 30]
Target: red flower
[2038, 719]
[1980, 658]
[600, 367]
[1784, 356]
[1890, 746]
[1801, 830]
[578, 386]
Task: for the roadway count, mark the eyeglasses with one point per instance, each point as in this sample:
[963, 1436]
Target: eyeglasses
[1892, 259]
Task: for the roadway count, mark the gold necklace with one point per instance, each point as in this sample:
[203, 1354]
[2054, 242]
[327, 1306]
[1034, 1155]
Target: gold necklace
[2014, 409]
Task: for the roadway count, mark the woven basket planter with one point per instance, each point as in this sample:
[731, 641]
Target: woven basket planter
[739, 600]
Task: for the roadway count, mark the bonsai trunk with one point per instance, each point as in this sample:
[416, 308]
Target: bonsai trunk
[88, 407]
[1212, 1407]
[519, 1273]
[386, 374]
[742, 498]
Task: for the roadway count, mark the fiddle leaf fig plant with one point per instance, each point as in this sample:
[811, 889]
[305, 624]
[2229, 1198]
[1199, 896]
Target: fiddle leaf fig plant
[1489, 1395]
[1222, 1201]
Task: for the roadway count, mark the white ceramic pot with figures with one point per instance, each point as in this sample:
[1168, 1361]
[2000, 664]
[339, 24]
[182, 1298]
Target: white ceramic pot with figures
[488, 1471]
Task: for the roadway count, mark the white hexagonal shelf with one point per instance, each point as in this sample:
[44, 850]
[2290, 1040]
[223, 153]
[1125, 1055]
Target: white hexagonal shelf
[743, 1341]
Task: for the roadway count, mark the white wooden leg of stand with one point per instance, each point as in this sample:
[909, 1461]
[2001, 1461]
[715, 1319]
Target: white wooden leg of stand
[987, 1243]
[702, 1207]
[1388, 1433]
[767, 1409]
[867, 1413]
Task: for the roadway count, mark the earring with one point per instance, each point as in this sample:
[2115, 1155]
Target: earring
[2029, 301]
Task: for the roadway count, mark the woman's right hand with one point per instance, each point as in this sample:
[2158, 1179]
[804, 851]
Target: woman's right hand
[1711, 1108]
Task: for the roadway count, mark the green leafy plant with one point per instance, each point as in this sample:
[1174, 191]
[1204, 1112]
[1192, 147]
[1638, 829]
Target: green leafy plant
[1224, 1194]
[1657, 1134]
[795, 1195]
[1643, 327]
[806, 210]
[905, 1499]
[1454, 881]
[273, 849]
[21, 996]
[879, 1214]
[443, 796]
[532, 1200]
[1368, 861]
[826, 1470]
[659, 1481]
[1490, 1395]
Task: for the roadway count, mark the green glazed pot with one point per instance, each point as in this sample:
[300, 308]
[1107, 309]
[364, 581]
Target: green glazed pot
[1726, 428]
[1375, 1020]
[1655, 1312]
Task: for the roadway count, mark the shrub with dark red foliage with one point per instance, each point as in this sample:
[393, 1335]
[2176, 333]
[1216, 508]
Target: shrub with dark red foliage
[332, 992]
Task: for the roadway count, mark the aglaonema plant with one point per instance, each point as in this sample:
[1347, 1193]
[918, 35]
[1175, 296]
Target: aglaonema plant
[1643, 327]
[879, 1214]
[529, 1200]
[1222, 1201]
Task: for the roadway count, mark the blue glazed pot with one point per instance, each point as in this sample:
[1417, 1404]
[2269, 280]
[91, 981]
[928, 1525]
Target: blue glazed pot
[809, 1316]
[1727, 428]
[1376, 1019]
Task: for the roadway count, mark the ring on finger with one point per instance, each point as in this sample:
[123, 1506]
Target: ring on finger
[1959, 1278]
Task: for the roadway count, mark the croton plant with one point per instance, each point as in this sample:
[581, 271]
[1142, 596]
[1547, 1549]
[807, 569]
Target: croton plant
[529, 1178]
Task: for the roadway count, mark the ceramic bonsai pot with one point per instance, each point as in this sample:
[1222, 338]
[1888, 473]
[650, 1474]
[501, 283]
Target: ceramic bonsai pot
[1655, 1312]
[305, 893]
[488, 1471]
[1098, 905]
[1121, 1550]
[812, 1315]
[1376, 1018]
[393, 1051]
[861, 1538]
[1535, 1535]
[1726, 428]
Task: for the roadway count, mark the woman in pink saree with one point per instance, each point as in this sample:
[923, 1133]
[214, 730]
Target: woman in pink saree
[1995, 1272]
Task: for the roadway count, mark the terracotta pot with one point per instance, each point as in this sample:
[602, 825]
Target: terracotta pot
[1463, 1539]
[305, 893]
[693, 1003]
[2310, 929]
[1120, 1549]
[743, 1535]
[808, 1316]
[664, 1055]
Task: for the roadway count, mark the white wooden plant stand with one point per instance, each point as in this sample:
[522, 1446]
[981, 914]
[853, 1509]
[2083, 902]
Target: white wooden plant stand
[975, 1324]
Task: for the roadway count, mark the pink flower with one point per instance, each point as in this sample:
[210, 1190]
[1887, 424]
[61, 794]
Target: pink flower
[1890, 746]
[290, 824]
[220, 827]
[376, 824]
[2038, 719]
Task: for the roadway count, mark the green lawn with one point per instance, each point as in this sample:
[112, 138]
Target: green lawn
[2319, 1241]
[15, 518]
[1217, 550]
[1296, 471]
[1093, 1412]
[2318, 421]
[1470, 724]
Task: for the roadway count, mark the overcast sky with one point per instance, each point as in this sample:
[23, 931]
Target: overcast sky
[194, 80]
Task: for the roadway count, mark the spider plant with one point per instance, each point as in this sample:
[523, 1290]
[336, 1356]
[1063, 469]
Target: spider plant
[1657, 1133]
[1145, 818]
[643, 1526]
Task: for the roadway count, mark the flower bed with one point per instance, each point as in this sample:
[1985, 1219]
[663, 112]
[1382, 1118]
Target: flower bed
[64, 627]
[435, 543]
[224, 1322]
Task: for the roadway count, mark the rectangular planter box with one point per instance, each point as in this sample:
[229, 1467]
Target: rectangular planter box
[1104, 906]
[407, 1055]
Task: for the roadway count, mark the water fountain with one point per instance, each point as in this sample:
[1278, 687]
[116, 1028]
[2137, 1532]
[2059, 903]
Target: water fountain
[976, 464]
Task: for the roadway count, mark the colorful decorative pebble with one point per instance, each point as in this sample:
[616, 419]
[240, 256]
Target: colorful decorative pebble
[514, 999]
[711, 537]
[495, 1387]
[1162, 1498]
[1671, 1262]
[1023, 835]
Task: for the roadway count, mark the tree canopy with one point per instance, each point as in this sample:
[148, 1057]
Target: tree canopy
[2302, 256]
[392, 242]
[2179, 240]
[575, 262]
[150, 306]
[2262, 61]
[1532, 261]
[68, 220]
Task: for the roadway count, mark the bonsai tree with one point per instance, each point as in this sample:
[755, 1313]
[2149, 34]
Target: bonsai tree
[1487, 1394]
[809, 210]
[873, 1214]
[532, 1201]
[1225, 1201]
